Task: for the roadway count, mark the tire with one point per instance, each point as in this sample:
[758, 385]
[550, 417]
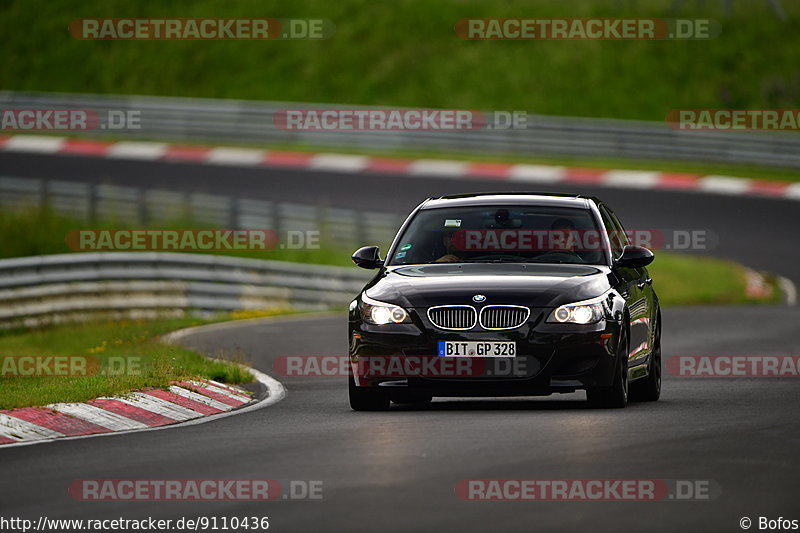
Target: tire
[366, 398]
[615, 396]
[649, 388]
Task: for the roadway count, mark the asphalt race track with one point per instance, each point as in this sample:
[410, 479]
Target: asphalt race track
[397, 470]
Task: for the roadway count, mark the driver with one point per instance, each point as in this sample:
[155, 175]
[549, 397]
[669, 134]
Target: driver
[562, 235]
[564, 239]
[452, 254]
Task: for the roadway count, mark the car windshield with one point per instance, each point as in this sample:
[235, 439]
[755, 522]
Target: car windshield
[499, 234]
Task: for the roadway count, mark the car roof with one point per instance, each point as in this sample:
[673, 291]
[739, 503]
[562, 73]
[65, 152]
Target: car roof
[510, 198]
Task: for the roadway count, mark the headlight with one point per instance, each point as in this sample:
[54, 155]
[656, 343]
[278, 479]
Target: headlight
[586, 312]
[380, 313]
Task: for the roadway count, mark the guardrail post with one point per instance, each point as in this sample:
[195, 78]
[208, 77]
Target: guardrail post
[275, 217]
[142, 207]
[233, 213]
[91, 208]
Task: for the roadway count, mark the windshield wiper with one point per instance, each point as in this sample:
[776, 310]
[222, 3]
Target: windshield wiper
[498, 260]
[556, 261]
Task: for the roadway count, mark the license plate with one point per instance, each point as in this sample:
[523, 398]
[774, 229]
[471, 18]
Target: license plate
[477, 349]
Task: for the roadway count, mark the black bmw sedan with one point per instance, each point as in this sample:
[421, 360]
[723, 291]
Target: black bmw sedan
[506, 294]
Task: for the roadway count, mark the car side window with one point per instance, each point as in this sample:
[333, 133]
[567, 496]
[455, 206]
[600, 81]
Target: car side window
[623, 237]
[616, 235]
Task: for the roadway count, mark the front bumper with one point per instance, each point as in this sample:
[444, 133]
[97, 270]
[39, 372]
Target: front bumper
[550, 358]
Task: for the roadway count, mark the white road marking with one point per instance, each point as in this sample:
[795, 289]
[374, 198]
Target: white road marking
[205, 400]
[537, 173]
[724, 184]
[236, 156]
[275, 393]
[222, 389]
[159, 406]
[438, 167]
[174, 337]
[216, 384]
[97, 416]
[339, 162]
[792, 191]
[789, 290]
[137, 150]
[635, 179]
[34, 143]
[18, 429]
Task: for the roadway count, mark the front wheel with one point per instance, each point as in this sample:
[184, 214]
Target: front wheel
[366, 398]
[649, 388]
[615, 396]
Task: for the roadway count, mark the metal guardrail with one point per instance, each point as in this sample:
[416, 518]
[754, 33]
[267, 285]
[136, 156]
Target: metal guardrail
[196, 119]
[114, 285]
[339, 227]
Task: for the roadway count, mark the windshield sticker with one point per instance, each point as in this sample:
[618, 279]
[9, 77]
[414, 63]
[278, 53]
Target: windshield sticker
[405, 247]
[452, 223]
[400, 255]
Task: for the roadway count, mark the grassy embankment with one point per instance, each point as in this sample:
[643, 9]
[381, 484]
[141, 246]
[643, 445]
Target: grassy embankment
[408, 54]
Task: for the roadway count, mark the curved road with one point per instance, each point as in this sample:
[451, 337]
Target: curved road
[397, 470]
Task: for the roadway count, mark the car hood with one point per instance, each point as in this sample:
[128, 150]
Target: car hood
[529, 284]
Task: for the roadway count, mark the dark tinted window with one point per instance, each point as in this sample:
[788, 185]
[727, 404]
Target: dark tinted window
[499, 234]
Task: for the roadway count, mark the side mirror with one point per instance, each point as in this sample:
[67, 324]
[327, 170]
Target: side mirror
[368, 257]
[635, 257]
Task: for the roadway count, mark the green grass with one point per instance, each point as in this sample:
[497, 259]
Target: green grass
[129, 345]
[681, 279]
[407, 53]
